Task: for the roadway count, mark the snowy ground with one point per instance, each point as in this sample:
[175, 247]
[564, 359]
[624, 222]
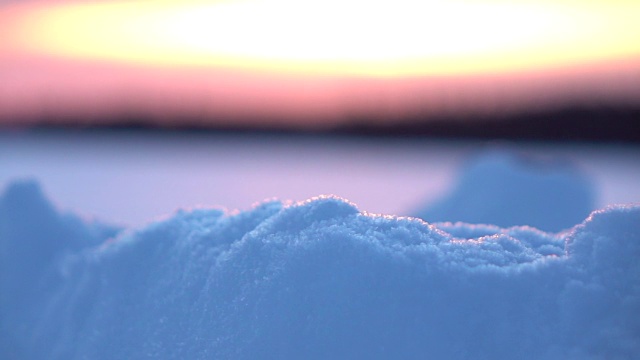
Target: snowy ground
[321, 278]
[132, 179]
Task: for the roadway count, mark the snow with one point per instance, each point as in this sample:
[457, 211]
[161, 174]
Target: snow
[506, 189]
[145, 170]
[318, 279]
[133, 178]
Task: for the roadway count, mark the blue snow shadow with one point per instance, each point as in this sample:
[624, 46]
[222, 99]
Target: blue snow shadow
[508, 189]
[314, 280]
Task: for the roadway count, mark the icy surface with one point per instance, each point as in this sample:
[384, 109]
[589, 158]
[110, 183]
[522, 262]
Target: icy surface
[507, 189]
[314, 280]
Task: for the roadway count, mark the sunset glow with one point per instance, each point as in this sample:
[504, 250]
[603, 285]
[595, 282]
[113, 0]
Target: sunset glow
[312, 64]
[390, 38]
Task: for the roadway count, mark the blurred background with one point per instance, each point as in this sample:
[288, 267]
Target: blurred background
[128, 110]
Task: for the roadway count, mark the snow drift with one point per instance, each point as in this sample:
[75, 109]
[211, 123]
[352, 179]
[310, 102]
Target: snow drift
[507, 189]
[314, 280]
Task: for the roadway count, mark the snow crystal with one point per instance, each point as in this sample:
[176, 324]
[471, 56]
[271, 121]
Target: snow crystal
[314, 280]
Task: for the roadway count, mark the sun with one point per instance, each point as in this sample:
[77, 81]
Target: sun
[334, 37]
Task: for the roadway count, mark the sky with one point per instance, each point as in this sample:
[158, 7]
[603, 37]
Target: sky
[311, 64]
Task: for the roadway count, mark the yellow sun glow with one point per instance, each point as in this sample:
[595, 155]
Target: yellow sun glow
[339, 37]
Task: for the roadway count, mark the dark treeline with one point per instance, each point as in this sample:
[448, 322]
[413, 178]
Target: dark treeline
[571, 124]
[578, 124]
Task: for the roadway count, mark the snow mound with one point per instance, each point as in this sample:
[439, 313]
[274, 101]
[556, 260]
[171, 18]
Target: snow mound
[314, 280]
[506, 189]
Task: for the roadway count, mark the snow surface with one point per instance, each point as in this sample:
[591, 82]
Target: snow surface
[387, 177]
[151, 175]
[313, 280]
[508, 189]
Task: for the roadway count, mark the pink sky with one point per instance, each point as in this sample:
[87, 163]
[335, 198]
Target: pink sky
[38, 84]
[33, 89]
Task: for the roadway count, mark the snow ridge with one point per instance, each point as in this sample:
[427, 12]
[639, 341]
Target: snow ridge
[314, 280]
